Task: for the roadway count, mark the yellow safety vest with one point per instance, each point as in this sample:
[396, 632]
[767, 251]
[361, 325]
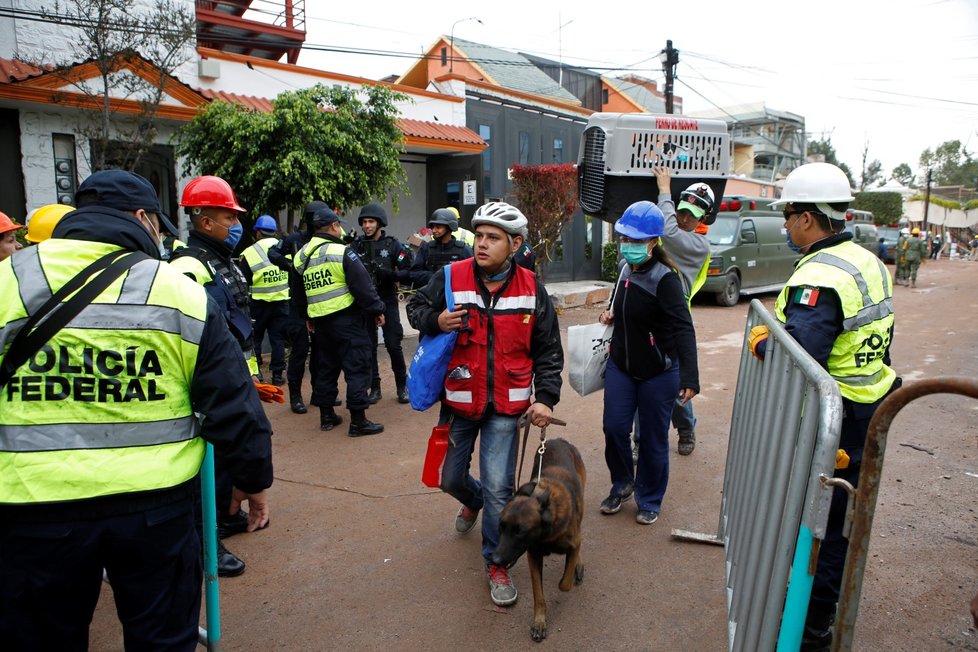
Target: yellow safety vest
[104, 407]
[865, 291]
[321, 264]
[201, 273]
[465, 236]
[268, 281]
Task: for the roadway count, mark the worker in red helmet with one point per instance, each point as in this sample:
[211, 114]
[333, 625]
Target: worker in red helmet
[214, 233]
[8, 236]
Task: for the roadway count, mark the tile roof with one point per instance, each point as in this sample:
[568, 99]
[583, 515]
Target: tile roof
[430, 131]
[439, 131]
[638, 94]
[511, 70]
[12, 70]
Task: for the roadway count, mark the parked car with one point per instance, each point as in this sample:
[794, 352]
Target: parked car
[862, 226]
[748, 250]
[889, 235]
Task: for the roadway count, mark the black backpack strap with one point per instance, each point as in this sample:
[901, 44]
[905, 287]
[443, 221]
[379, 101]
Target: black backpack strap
[55, 315]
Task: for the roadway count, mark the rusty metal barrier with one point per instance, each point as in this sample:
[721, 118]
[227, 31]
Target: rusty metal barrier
[865, 499]
[784, 433]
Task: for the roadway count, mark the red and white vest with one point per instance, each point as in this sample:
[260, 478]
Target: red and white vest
[491, 360]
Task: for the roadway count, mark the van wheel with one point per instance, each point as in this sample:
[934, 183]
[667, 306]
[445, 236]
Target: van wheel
[730, 294]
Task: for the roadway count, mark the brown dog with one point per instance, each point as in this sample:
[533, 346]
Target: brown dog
[544, 517]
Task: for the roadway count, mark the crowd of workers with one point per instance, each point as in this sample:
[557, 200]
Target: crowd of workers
[110, 394]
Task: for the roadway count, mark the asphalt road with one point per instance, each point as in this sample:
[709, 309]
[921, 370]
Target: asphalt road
[361, 556]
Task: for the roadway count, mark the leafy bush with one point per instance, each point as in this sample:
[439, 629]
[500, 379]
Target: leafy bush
[886, 207]
[547, 195]
[609, 261]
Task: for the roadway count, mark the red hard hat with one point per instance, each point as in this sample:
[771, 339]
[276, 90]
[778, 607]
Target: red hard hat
[7, 224]
[209, 191]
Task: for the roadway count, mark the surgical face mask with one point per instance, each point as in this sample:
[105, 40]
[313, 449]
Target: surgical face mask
[234, 234]
[158, 238]
[635, 253]
[787, 238]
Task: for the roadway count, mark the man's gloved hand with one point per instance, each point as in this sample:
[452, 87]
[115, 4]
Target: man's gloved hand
[270, 393]
[841, 459]
[757, 335]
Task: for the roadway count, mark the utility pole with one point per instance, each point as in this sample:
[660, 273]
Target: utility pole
[669, 58]
[926, 200]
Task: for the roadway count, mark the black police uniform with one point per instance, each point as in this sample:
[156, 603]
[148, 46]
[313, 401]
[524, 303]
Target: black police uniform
[296, 330]
[434, 255]
[386, 262]
[74, 541]
[343, 339]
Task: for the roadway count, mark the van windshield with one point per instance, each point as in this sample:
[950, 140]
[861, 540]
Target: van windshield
[723, 231]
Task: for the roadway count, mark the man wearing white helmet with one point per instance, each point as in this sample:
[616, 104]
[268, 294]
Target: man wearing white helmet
[838, 305]
[508, 349]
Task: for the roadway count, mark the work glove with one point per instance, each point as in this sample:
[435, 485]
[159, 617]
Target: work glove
[757, 335]
[841, 459]
[270, 393]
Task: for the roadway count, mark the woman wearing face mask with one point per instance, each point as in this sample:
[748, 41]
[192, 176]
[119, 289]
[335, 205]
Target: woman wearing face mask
[653, 360]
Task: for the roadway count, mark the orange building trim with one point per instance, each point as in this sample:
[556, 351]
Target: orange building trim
[539, 99]
[26, 93]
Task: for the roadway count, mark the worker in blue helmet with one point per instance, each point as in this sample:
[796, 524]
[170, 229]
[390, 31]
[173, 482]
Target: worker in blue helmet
[652, 361]
[269, 289]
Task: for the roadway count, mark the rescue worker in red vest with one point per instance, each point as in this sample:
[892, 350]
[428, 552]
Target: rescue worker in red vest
[99, 445]
[441, 250]
[690, 251]
[387, 263]
[838, 305]
[269, 296]
[508, 349]
[8, 236]
[215, 232]
[342, 305]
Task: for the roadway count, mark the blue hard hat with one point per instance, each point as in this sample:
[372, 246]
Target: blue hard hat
[641, 221]
[266, 223]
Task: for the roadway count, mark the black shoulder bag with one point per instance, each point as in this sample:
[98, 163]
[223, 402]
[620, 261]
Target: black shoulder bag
[54, 315]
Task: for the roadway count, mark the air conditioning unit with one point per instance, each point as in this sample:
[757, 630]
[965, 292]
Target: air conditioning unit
[619, 150]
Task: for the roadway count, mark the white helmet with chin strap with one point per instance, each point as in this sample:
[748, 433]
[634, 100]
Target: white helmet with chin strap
[820, 184]
[502, 215]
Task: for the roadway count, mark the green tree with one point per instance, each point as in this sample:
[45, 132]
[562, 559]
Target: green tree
[114, 36]
[886, 207]
[872, 171]
[903, 174]
[825, 149]
[547, 195]
[951, 165]
[337, 144]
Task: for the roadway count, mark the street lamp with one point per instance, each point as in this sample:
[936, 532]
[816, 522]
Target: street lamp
[451, 63]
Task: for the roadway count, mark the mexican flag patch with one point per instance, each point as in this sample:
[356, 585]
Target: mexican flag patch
[806, 296]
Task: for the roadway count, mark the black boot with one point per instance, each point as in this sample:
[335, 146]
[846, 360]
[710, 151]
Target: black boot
[402, 394]
[295, 399]
[228, 564]
[328, 419]
[360, 426]
[230, 525]
[817, 636]
[277, 378]
[374, 396]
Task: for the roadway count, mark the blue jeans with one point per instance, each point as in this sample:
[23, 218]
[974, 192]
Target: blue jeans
[682, 416]
[497, 461]
[654, 398]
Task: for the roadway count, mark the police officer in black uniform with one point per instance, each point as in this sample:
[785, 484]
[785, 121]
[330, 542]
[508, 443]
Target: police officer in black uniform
[297, 333]
[387, 263]
[525, 256]
[442, 249]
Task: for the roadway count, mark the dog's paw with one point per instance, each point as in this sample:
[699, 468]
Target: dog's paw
[579, 574]
[538, 631]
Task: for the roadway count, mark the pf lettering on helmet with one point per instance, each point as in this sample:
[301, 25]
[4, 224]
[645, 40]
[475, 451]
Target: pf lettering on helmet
[620, 150]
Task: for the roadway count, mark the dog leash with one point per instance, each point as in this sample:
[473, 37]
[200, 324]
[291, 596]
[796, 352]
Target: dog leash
[540, 451]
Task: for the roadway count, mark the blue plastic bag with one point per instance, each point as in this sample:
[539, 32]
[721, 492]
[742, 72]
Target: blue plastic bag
[426, 377]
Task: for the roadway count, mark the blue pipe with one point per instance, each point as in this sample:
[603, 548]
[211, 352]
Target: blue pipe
[798, 595]
[209, 507]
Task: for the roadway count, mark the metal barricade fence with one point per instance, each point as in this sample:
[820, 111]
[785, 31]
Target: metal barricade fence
[784, 434]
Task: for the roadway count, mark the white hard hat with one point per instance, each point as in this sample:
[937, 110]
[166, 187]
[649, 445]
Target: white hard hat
[817, 183]
[502, 215]
[905, 231]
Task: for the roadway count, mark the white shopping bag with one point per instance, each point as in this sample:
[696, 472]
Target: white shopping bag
[589, 347]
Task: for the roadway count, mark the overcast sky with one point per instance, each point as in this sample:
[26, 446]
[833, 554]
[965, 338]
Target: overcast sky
[900, 75]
